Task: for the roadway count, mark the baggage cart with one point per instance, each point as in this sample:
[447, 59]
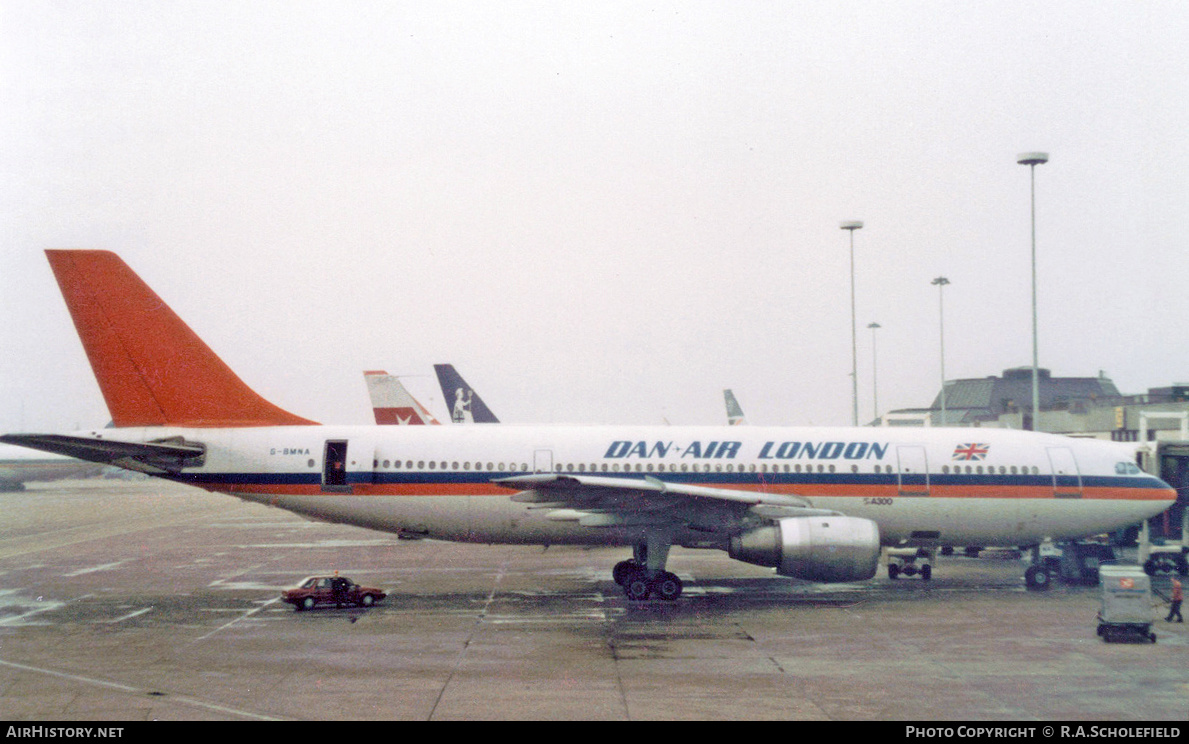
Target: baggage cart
[1126, 610]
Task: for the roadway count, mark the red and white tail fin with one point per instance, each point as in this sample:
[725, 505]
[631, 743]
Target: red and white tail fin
[391, 401]
[153, 370]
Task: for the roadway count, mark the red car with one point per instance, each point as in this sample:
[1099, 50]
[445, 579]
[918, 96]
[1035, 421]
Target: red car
[335, 590]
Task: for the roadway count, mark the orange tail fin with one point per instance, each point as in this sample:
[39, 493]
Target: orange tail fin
[153, 370]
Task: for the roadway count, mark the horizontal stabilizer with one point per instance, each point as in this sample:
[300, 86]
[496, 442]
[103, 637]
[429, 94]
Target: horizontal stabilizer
[163, 456]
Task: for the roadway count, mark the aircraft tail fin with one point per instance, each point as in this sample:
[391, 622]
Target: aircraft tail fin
[466, 407]
[152, 369]
[392, 403]
[734, 411]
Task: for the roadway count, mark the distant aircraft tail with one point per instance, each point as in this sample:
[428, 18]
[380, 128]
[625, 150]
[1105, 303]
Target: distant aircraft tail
[152, 369]
[734, 412]
[466, 407]
[392, 403]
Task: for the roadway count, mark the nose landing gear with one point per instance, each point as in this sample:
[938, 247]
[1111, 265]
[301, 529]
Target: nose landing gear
[910, 562]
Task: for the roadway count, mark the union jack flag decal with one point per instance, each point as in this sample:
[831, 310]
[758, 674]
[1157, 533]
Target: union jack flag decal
[971, 451]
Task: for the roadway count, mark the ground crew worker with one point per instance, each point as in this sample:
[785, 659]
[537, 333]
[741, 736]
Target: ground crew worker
[1178, 596]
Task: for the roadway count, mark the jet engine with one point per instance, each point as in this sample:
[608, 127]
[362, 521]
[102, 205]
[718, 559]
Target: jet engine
[812, 548]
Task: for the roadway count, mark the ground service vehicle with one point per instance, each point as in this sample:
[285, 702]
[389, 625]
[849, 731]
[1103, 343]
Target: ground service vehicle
[335, 590]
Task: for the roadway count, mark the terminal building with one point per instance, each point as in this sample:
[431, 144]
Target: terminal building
[1156, 421]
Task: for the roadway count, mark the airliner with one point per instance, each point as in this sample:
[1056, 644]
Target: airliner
[816, 504]
[392, 403]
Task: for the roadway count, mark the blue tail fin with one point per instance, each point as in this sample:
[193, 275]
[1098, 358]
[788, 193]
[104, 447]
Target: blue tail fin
[466, 407]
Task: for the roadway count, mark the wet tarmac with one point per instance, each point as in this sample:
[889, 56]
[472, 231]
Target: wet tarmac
[142, 600]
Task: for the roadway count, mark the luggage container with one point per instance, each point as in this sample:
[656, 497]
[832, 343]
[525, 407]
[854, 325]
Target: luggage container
[1126, 611]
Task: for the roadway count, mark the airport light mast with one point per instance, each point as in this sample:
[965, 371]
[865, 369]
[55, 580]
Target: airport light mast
[874, 374]
[850, 227]
[941, 281]
[1033, 159]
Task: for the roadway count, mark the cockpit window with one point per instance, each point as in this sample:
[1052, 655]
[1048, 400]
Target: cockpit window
[1127, 468]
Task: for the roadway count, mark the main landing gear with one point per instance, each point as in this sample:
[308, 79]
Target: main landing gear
[644, 576]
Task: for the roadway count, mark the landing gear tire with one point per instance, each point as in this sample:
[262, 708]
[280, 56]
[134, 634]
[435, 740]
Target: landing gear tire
[666, 586]
[893, 571]
[638, 588]
[624, 571]
[1038, 578]
[926, 572]
[1166, 564]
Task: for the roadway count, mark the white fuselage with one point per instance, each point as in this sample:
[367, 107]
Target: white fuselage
[921, 486]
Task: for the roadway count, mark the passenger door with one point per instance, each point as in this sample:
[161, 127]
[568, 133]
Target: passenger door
[913, 470]
[1067, 480]
[334, 467]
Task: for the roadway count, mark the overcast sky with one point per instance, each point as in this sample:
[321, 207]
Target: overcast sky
[600, 212]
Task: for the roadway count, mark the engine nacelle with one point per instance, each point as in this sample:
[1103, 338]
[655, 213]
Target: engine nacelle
[813, 548]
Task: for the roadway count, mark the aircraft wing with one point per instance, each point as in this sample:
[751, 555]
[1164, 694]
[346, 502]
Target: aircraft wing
[158, 457]
[600, 501]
